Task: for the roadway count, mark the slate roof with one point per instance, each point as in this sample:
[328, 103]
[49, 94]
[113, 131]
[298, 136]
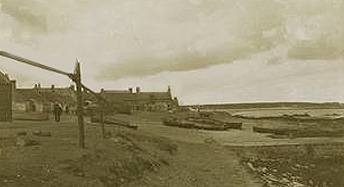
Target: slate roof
[118, 96]
[25, 94]
[154, 96]
[4, 79]
[44, 94]
[125, 96]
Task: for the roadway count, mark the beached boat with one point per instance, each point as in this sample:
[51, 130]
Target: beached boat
[201, 123]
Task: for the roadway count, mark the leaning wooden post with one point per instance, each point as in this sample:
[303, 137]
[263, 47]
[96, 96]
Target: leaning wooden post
[80, 109]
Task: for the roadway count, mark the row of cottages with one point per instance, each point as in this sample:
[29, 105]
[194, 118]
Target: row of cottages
[41, 99]
[5, 98]
[146, 101]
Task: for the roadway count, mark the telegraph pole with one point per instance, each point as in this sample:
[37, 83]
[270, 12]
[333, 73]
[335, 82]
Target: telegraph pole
[80, 108]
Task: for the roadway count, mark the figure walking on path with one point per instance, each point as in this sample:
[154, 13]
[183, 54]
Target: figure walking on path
[57, 112]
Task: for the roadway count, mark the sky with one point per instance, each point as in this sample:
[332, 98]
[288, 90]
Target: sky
[207, 51]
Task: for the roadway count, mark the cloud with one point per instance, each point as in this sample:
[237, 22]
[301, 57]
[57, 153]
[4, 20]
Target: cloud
[293, 80]
[140, 38]
[142, 64]
[27, 17]
[217, 34]
[316, 31]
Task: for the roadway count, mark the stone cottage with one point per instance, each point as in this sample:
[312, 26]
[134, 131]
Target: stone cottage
[41, 99]
[146, 101]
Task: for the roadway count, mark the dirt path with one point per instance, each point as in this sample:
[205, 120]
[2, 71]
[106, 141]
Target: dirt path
[203, 165]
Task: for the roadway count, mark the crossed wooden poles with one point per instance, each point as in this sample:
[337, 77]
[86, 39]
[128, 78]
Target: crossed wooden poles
[76, 77]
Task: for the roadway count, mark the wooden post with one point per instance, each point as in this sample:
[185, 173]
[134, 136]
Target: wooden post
[102, 118]
[80, 109]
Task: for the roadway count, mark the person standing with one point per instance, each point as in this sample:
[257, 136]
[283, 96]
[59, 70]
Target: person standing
[57, 112]
[66, 110]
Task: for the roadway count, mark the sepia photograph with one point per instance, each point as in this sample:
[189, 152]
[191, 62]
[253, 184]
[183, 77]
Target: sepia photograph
[172, 93]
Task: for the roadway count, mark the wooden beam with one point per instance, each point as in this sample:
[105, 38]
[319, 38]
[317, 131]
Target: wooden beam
[33, 63]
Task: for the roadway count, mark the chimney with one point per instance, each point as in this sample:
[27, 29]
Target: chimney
[13, 84]
[36, 88]
[138, 89]
[130, 90]
[169, 89]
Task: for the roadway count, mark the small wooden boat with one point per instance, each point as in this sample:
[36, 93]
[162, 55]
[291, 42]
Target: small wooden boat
[201, 123]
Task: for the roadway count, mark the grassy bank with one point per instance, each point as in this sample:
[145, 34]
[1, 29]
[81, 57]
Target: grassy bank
[48, 155]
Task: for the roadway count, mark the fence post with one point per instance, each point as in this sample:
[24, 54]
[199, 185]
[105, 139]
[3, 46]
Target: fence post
[102, 120]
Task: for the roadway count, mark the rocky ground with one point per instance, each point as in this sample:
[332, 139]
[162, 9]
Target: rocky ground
[321, 172]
